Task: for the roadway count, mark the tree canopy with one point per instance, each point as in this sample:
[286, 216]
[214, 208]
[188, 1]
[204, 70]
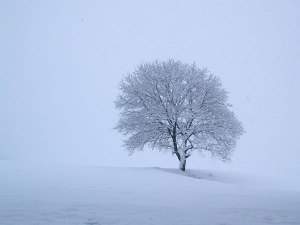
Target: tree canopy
[177, 107]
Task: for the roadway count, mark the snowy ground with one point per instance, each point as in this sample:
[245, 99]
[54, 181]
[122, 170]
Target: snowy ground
[35, 194]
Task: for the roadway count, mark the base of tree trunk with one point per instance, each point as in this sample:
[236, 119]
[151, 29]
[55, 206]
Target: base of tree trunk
[182, 166]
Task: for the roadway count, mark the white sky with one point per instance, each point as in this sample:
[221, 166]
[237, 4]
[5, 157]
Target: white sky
[61, 62]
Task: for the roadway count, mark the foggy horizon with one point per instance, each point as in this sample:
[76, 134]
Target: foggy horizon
[62, 62]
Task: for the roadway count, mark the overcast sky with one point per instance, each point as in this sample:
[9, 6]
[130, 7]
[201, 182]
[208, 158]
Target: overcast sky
[61, 62]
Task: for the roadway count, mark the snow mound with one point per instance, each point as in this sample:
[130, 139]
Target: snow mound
[217, 176]
[80, 195]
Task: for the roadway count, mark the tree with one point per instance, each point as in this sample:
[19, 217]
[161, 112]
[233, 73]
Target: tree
[172, 106]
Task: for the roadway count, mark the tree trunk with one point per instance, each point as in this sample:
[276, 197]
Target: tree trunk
[181, 158]
[182, 163]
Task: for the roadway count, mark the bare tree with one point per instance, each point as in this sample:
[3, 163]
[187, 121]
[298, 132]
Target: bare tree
[178, 107]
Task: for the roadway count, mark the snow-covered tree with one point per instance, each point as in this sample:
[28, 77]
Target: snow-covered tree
[177, 107]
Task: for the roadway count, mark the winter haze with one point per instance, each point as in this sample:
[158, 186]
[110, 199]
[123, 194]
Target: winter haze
[61, 161]
[61, 63]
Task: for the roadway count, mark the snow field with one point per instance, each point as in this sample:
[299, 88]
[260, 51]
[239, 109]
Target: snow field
[70, 195]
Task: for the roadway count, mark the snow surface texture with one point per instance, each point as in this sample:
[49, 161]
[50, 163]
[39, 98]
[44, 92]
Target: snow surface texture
[52, 194]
